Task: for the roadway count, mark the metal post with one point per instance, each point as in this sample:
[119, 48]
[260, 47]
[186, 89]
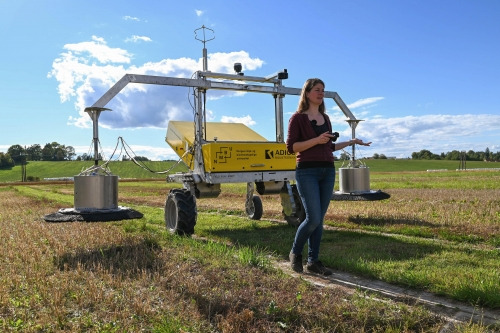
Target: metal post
[94, 113]
[200, 100]
[353, 123]
[95, 119]
[278, 105]
[199, 128]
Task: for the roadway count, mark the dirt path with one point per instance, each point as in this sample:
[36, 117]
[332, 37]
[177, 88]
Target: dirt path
[453, 311]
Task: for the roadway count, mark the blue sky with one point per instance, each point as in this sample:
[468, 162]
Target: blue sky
[421, 74]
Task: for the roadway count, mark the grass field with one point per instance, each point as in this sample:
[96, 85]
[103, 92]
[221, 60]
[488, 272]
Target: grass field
[438, 232]
[128, 169]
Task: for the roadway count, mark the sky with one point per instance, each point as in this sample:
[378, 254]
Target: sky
[421, 74]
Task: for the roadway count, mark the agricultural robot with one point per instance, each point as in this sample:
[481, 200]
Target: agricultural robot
[218, 153]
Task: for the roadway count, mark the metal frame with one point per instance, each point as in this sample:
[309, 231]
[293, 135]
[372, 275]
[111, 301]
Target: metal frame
[199, 182]
[202, 84]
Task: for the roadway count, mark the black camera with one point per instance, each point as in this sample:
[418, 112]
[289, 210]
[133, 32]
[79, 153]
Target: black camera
[335, 136]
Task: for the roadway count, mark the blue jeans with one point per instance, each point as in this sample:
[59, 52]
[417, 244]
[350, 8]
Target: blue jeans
[315, 186]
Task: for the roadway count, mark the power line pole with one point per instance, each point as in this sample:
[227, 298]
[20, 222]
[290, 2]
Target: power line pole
[23, 165]
[463, 161]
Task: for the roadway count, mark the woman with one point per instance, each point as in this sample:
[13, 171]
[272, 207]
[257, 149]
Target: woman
[310, 138]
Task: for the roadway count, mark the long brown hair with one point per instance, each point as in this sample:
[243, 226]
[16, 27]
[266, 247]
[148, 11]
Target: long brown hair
[304, 102]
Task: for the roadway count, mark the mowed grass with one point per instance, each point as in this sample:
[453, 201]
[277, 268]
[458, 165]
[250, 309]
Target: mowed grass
[438, 232]
[440, 241]
[132, 276]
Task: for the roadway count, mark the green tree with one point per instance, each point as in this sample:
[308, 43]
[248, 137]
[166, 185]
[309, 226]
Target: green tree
[454, 155]
[34, 152]
[496, 156]
[60, 154]
[88, 157]
[487, 154]
[473, 156]
[48, 152]
[84, 157]
[343, 156]
[6, 161]
[425, 154]
[70, 153]
[56, 152]
[17, 153]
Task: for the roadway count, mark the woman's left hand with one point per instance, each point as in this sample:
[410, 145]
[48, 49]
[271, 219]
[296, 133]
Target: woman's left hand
[360, 142]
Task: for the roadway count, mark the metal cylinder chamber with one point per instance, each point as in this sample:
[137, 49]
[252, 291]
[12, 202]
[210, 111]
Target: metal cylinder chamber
[96, 192]
[354, 180]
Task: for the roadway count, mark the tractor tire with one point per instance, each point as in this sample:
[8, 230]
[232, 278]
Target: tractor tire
[299, 216]
[255, 212]
[180, 212]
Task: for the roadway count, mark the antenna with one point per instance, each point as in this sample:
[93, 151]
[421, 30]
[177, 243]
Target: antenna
[204, 41]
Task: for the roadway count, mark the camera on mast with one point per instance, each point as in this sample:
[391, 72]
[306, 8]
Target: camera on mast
[237, 68]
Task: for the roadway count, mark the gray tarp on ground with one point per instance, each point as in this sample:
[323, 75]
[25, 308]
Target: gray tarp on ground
[96, 215]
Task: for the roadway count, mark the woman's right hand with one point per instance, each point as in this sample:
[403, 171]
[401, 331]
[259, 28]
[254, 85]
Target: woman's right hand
[324, 138]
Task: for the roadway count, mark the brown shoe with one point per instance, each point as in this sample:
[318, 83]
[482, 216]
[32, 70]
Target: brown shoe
[296, 262]
[317, 267]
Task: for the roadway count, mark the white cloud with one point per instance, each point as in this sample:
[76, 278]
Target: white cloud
[401, 136]
[361, 105]
[438, 133]
[225, 61]
[88, 69]
[135, 39]
[153, 153]
[98, 49]
[247, 120]
[199, 12]
[364, 102]
[131, 18]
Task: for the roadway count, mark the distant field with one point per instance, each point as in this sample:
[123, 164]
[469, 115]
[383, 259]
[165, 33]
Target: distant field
[422, 165]
[125, 169]
[130, 170]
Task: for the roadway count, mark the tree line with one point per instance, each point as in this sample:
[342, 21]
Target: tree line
[470, 155]
[19, 155]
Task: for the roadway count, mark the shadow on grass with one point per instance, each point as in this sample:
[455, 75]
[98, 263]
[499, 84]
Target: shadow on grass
[124, 260]
[363, 254]
[382, 221]
[337, 246]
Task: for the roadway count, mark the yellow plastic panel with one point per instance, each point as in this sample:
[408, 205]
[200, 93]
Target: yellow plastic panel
[232, 132]
[231, 147]
[180, 136]
[255, 156]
